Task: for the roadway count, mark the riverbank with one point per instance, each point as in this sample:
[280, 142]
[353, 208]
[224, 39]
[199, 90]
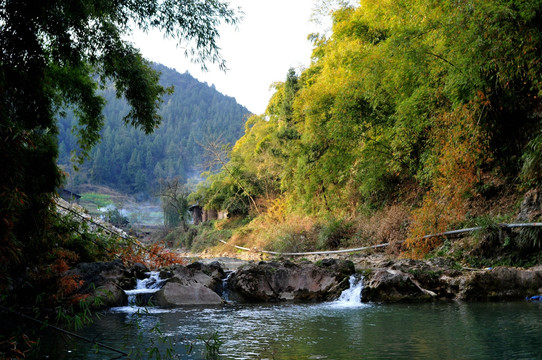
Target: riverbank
[228, 285]
[385, 280]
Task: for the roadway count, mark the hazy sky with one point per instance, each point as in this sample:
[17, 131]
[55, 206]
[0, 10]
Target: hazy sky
[271, 38]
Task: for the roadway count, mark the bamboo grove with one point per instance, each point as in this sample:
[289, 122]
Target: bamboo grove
[430, 103]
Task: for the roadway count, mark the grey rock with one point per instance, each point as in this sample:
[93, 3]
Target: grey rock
[436, 279]
[208, 275]
[531, 206]
[287, 281]
[108, 295]
[392, 286]
[501, 283]
[176, 294]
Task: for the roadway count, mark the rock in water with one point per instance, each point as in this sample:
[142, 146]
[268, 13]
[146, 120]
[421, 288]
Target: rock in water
[502, 283]
[176, 294]
[195, 284]
[286, 281]
[393, 286]
[105, 280]
[435, 279]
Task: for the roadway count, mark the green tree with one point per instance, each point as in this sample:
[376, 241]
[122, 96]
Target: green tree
[174, 197]
[218, 155]
[55, 55]
[283, 100]
[403, 97]
[171, 141]
[115, 218]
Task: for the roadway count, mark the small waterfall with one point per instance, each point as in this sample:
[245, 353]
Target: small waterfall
[351, 297]
[225, 290]
[145, 288]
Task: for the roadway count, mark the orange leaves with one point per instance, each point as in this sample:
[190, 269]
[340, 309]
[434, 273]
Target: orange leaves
[158, 256]
[461, 147]
[60, 266]
[63, 257]
[154, 257]
[16, 347]
[67, 284]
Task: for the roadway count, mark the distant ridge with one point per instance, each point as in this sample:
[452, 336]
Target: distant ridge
[129, 161]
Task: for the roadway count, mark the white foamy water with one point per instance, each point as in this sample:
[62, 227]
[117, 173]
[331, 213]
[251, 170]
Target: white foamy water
[148, 285]
[225, 289]
[140, 291]
[351, 297]
[144, 310]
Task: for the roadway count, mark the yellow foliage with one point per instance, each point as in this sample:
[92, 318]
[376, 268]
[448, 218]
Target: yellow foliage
[277, 211]
[461, 146]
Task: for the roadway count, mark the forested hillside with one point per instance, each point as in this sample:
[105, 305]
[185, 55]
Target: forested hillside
[128, 160]
[428, 109]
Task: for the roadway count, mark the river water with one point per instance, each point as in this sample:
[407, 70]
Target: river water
[344, 329]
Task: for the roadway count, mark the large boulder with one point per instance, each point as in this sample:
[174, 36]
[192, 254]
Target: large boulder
[208, 275]
[110, 294]
[501, 283]
[407, 280]
[286, 281]
[226, 263]
[394, 286]
[438, 279]
[174, 293]
[105, 282]
[195, 284]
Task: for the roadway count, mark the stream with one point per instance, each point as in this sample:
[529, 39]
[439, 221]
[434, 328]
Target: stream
[342, 329]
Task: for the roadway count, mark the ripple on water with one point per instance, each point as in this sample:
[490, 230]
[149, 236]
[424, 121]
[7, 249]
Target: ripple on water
[139, 309]
[335, 331]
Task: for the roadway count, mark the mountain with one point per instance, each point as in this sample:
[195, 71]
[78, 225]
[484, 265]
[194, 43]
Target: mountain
[129, 161]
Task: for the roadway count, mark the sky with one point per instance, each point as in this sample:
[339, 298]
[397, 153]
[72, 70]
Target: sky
[270, 39]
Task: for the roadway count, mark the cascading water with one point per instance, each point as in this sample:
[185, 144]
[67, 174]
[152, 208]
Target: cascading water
[145, 288]
[225, 290]
[351, 297]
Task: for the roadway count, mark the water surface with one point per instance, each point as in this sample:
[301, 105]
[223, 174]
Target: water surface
[325, 331]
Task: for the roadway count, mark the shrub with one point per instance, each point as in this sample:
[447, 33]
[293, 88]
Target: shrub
[529, 239]
[332, 233]
[460, 146]
[115, 218]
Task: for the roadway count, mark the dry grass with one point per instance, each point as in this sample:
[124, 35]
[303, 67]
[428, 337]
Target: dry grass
[280, 230]
[297, 233]
[388, 225]
[262, 233]
[497, 198]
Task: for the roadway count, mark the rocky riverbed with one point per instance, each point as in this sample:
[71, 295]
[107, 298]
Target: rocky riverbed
[439, 279]
[385, 280]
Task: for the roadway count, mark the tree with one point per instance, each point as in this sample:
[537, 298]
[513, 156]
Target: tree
[440, 98]
[217, 154]
[115, 218]
[282, 102]
[179, 124]
[174, 197]
[54, 56]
